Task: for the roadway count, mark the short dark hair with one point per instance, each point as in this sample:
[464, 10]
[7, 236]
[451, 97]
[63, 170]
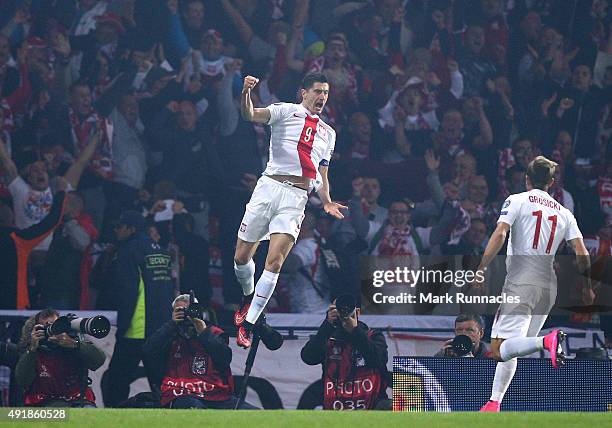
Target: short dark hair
[477, 220]
[188, 2]
[45, 313]
[78, 84]
[514, 169]
[478, 23]
[312, 78]
[126, 94]
[540, 172]
[470, 317]
[406, 201]
[28, 326]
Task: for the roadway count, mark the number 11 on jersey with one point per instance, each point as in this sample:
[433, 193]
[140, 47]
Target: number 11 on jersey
[553, 228]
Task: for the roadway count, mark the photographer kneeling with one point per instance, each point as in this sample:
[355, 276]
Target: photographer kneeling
[469, 331]
[192, 360]
[354, 359]
[53, 369]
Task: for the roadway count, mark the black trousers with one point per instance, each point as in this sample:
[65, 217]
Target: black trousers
[189, 402]
[123, 370]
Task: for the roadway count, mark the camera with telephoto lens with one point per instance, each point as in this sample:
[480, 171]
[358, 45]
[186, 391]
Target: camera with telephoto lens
[346, 305]
[461, 346]
[98, 326]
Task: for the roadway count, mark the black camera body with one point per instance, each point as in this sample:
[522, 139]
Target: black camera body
[194, 310]
[59, 326]
[461, 346]
[346, 305]
[52, 330]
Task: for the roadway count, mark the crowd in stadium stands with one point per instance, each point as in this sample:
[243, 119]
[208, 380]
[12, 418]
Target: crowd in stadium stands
[438, 106]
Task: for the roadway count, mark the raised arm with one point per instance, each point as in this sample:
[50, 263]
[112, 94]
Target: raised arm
[300, 16]
[74, 173]
[296, 39]
[228, 113]
[244, 29]
[433, 179]
[8, 166]
[483, 123]
[177, 41]
[250, 113]
[359, 220]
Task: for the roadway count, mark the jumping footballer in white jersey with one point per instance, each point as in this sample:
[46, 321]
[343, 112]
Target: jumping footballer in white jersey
[301, 147]
[537, 225]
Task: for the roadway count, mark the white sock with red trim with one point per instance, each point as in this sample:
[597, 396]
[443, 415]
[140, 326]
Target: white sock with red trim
[504, 372]
[263, 291]
[245, 274]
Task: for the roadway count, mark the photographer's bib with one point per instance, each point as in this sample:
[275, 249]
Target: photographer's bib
[191, 371]
[58, 377]
[347, 383]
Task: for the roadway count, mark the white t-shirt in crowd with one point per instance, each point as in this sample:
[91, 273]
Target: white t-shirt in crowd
[31, 207]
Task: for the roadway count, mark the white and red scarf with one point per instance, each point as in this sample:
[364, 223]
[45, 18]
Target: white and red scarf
[396, 242]
[6, 113]
[604, 189]
[557, 193]
[349, 84]
[82, 132]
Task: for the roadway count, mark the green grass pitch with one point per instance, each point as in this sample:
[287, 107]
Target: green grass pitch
[137, 418]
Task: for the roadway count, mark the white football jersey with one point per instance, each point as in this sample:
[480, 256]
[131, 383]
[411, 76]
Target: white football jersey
[538, 226]
[299, 141]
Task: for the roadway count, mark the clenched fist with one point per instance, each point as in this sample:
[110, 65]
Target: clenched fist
[249, 83]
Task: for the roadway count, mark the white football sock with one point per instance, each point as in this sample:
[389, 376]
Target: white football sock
[504, 372]
[263, 291]
[246, 276]
[520, 346]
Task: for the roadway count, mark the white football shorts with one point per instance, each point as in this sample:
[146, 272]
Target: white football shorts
[525, 318]
[274, 207]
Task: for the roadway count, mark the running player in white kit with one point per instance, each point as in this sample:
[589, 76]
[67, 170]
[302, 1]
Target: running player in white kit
[537, 225]
[301, 147]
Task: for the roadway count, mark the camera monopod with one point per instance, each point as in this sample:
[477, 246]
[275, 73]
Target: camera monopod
[247, 368]
[272, 340]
